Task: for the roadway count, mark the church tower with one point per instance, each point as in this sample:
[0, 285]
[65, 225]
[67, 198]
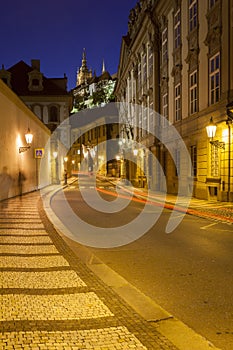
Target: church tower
[83, 74]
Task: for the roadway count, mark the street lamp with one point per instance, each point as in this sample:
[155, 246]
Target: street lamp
[28, 138]
[211, 131]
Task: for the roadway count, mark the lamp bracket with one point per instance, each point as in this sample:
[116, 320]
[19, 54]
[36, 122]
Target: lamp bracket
[23, 149]
[218, 144]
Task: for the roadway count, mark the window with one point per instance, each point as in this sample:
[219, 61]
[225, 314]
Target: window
[140, 120]
[139, 76]
[194, 159]
[144, 119]
[192, 14]
[53, 114]
[150, 61]
[151, 122]
[193, 92]
[144, 75]
[178, 102]
[165, 107]
[164, 46]
[129, 82]
[177, 29]
[214, 79]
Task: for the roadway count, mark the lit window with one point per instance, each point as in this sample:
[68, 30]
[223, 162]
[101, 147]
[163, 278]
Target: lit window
[214, 78]
[164, 46]
[193, 92]
[192, 14]
[177, 29]
[178, 102]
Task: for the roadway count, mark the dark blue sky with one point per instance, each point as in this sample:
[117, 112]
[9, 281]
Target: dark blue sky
[56, 31]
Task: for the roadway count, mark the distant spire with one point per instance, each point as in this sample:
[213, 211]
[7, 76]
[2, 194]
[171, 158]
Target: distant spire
[84, 54]
[84, 60]
[83, 73]
[103, 67]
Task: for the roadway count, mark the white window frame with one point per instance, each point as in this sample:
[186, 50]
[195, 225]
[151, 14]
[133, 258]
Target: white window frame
[178, 102]
[177, 29]
[192, 14]
[193, 92]
[164, 45]
[144, 68]
[165, 106]
[139, 74]
[150, 61]
[214, 78]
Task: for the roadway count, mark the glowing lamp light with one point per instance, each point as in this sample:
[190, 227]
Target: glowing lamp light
[55, 154]
[65, 159]
[135, 152]
[211, 129]
[28, 137]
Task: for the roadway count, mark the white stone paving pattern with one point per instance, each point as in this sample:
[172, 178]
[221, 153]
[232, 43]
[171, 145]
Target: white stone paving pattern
[52, 307]
[33, 261]
[25, 249]
[40, 280]
[112, 338]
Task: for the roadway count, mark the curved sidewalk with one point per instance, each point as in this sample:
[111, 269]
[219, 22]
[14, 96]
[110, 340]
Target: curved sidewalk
[49, 297]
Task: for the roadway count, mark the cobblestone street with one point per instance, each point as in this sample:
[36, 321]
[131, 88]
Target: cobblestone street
[50, 299]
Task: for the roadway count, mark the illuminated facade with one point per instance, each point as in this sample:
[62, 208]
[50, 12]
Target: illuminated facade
[88, 129]
[91, 90]
[47, 98]
[177, 60]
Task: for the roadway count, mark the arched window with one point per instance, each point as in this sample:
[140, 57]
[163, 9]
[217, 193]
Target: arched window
[53, 114]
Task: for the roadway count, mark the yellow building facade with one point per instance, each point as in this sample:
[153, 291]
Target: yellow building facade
[176, 59]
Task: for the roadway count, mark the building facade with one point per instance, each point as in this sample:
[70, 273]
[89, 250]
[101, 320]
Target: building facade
[47, 98]
[21, 168]
[176, 59]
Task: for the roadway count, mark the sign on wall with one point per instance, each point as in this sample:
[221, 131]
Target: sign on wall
[39, 152]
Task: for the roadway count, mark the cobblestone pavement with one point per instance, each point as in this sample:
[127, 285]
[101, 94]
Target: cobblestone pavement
[50, 299]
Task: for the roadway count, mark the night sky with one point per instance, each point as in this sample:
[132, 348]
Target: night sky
[56, 31]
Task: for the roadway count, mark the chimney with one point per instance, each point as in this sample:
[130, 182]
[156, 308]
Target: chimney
[35, 64]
